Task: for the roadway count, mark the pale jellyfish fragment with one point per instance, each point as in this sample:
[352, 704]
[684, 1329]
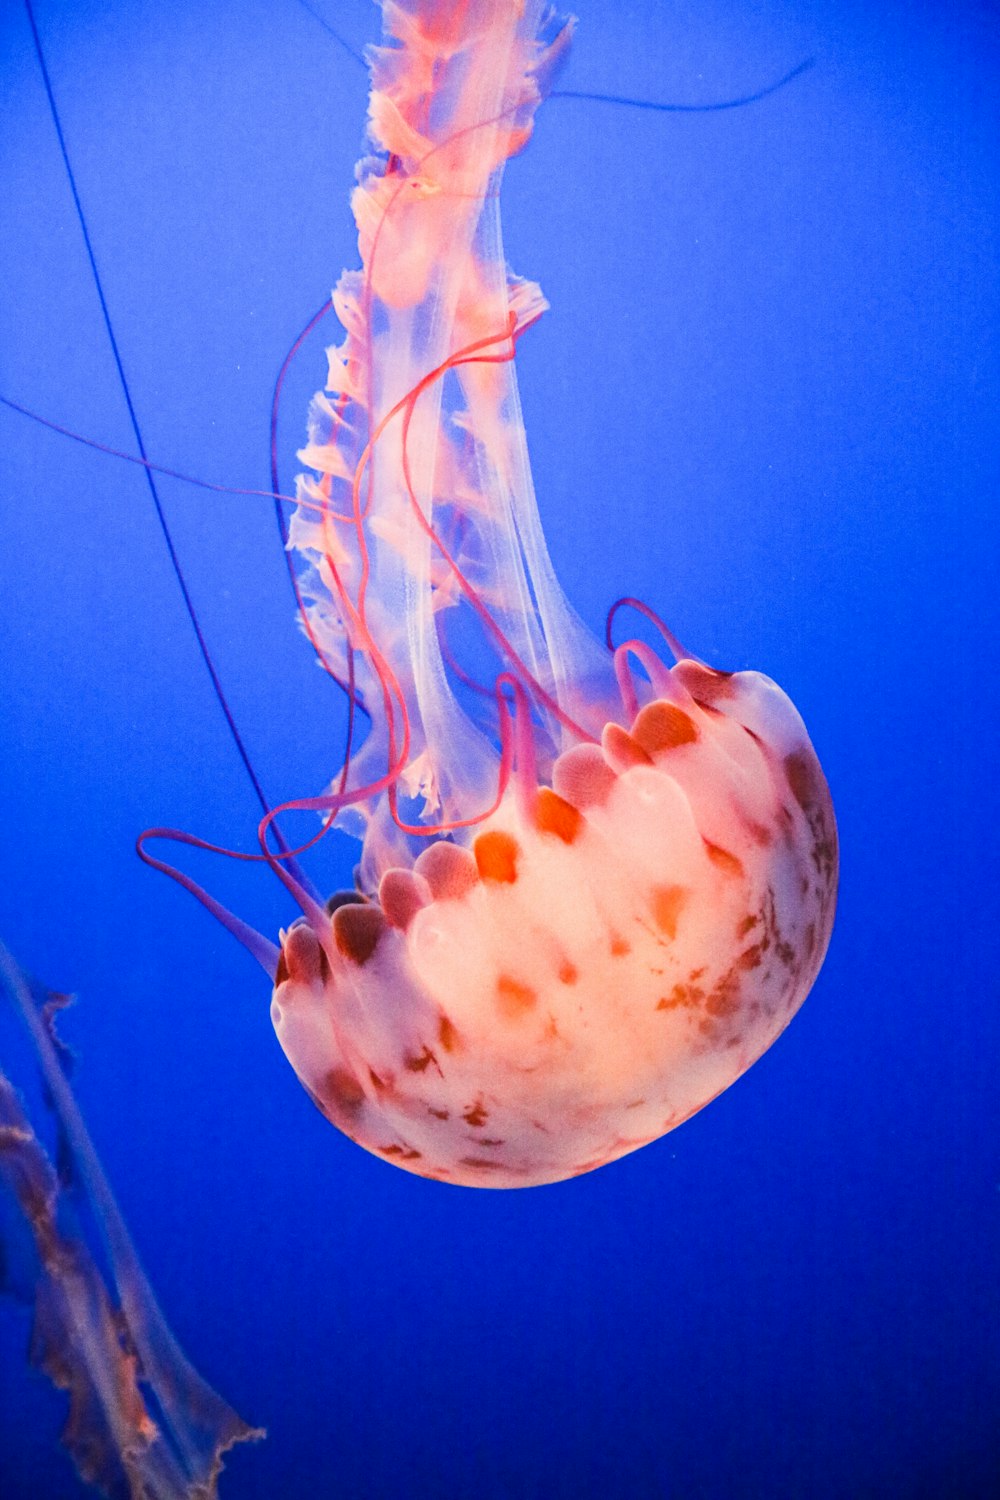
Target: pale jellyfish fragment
[142, 1423]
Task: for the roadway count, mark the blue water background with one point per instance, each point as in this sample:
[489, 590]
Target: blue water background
[764, 400]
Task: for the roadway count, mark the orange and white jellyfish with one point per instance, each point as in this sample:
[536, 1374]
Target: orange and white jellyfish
[594, 890]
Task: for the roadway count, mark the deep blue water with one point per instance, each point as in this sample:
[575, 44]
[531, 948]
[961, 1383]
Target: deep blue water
[765, 400]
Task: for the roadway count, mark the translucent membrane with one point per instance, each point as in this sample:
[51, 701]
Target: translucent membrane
[141, 1420]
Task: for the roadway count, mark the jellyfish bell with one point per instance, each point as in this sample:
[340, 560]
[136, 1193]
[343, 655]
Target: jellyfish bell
[583, 975]
[591, 895]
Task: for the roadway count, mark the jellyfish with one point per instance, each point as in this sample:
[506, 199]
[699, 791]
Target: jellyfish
[142, 1422]
[593, 887]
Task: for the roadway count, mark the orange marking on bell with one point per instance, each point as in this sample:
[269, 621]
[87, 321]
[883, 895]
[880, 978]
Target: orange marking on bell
[554, 814]
[622, 750]
[497, 855]
[447, 1035]
[723, 859]
[668, 903]
[663, 726]
[514, 998]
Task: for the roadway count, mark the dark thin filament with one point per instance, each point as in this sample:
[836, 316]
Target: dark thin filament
[662, 107]
[175, 561]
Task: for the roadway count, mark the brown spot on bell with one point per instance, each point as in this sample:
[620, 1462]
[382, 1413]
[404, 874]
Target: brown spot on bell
[705, 684]
[801, 778]
[401, 894]
[357, 930]
[341, 1089]
[302, 957]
